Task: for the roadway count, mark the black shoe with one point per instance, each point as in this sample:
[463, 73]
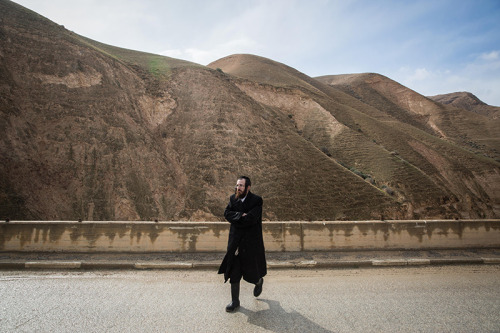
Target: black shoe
[235, 297]
[232, 306]
[258, 288]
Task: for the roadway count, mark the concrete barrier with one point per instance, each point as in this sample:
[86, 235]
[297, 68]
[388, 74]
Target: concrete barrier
[111, 236]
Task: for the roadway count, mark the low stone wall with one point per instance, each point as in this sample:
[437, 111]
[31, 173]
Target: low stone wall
[107, 236]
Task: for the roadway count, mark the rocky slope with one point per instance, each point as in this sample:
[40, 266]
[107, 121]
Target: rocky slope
[96, 132]
[469, 102]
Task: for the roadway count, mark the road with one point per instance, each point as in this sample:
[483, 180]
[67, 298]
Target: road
[418, 299]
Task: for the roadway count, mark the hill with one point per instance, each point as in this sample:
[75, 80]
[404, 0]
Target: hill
[473, 132]
[469, 102]
[397, 139]
[97, 132]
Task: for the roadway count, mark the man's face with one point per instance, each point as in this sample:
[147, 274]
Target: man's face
[240, 190]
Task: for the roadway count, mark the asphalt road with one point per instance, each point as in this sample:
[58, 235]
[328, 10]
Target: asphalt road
[409, 299]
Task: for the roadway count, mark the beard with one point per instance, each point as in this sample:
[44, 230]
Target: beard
[240, 195]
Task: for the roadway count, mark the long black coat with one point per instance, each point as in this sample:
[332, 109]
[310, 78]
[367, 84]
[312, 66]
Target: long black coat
[245, 234]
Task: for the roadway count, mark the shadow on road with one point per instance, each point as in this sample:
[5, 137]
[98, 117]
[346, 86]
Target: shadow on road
[276, 319]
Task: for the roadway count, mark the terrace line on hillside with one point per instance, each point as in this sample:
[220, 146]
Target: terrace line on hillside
[119, 236]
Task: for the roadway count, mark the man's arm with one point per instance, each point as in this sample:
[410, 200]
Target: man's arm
[253, 216]
[232, 212]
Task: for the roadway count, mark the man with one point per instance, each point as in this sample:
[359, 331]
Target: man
[245, 257]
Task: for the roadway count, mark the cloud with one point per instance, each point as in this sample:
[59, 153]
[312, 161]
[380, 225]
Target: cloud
[412, 76]
[420, 74]
[480, 77]
[493, 55]
[210, 54]
[172, 53]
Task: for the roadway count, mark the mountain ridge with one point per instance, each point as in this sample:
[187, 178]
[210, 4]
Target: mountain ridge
[468, 101]
[97, 132]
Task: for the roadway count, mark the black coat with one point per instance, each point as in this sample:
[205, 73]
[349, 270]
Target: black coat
[245, 234]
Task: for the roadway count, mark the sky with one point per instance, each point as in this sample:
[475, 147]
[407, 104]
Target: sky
[431, 46]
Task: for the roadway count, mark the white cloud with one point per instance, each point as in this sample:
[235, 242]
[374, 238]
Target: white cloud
[420, 74]
[199, 56]
[473, 77]
[210, 54]
[172, 53]
[493, 55]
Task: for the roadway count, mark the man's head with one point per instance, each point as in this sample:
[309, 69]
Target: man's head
[242, 186]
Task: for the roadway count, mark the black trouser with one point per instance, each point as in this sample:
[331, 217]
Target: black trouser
[236, 274]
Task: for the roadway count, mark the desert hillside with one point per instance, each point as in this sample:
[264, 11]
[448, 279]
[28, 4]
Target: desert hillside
[469, 102]
[96, 132]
